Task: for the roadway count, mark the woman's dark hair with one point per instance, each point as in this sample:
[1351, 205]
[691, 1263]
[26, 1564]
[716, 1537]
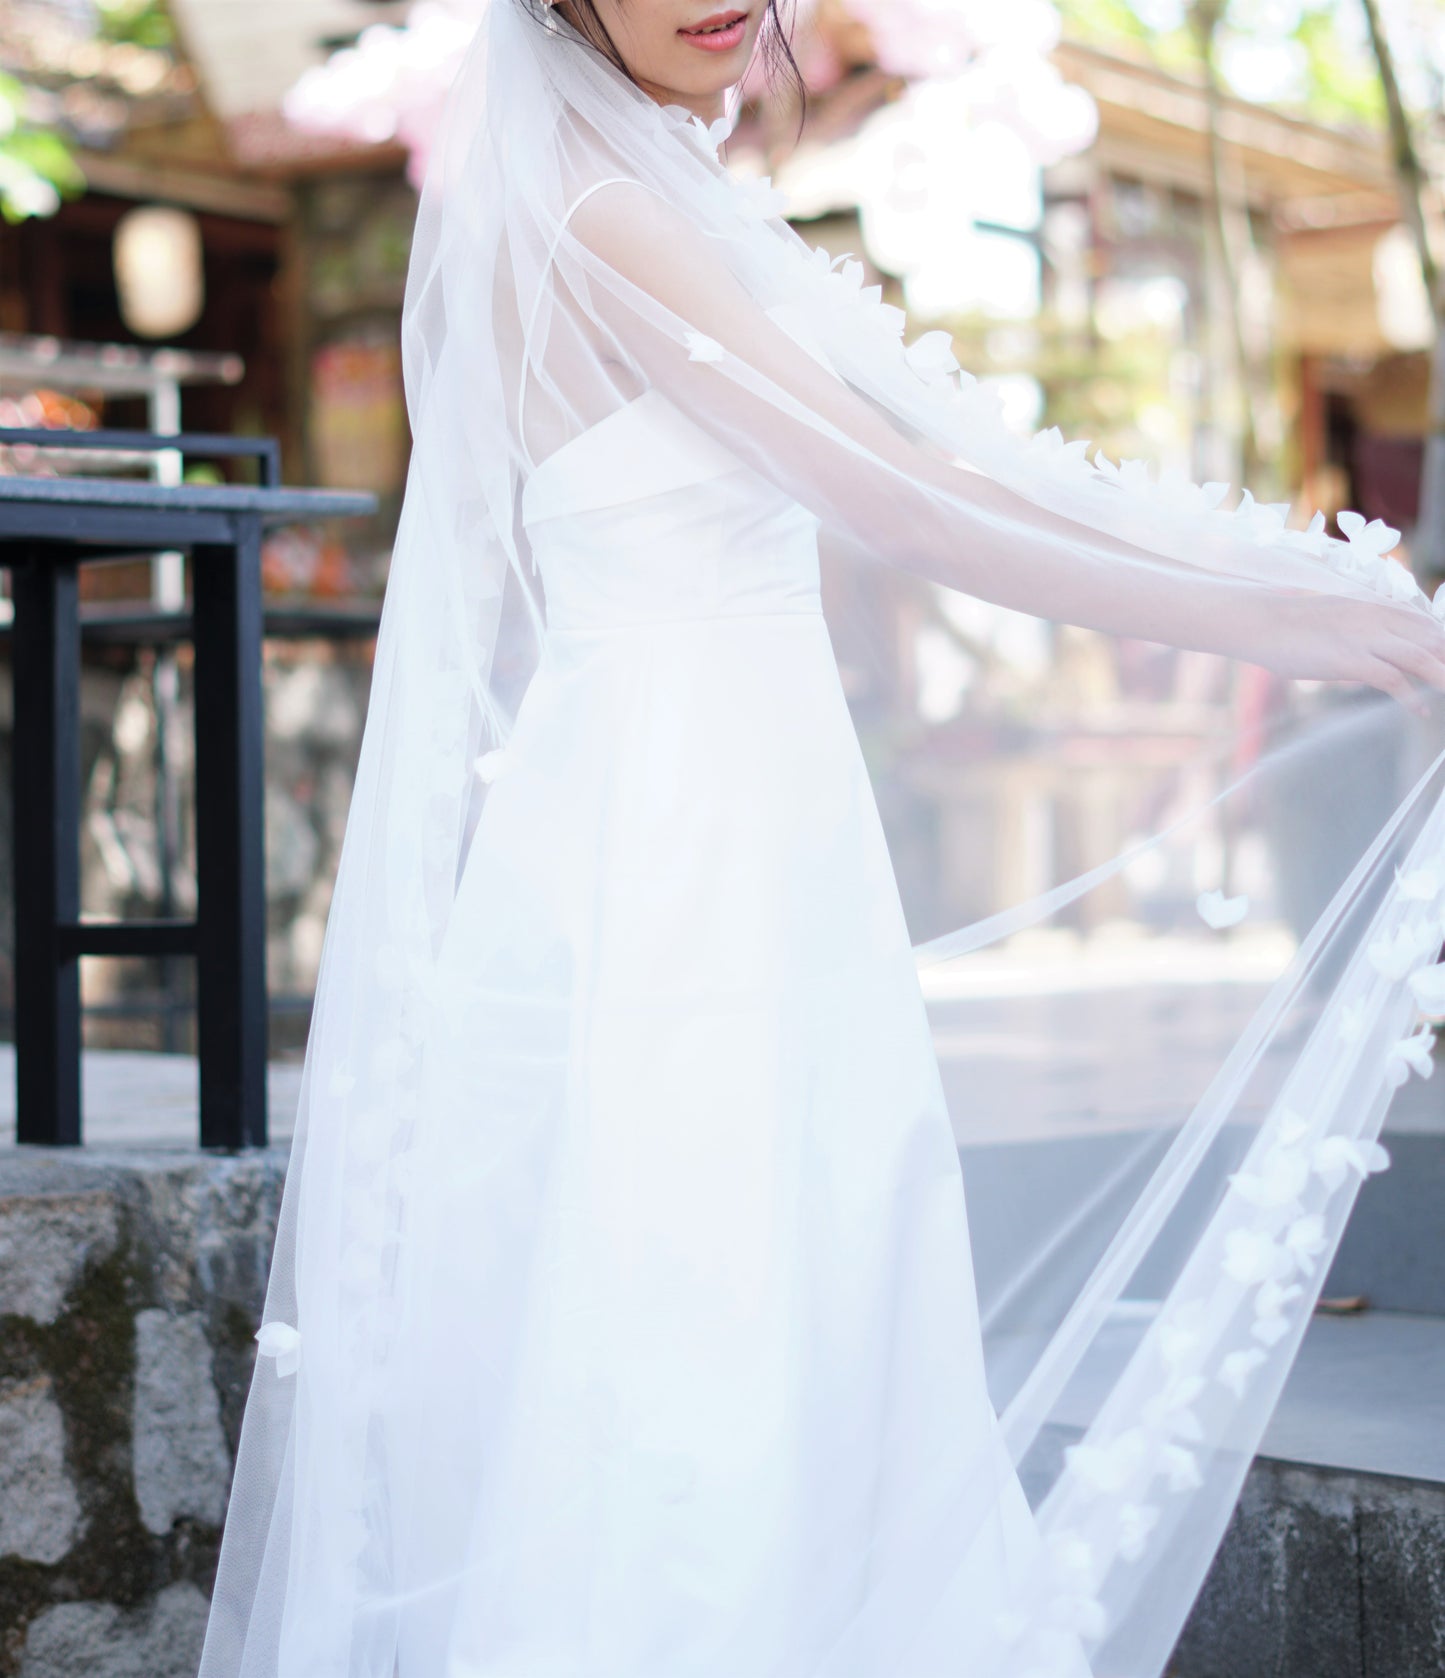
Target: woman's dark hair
[776, 45]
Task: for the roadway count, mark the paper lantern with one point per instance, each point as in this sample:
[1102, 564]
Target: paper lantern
[159, 270]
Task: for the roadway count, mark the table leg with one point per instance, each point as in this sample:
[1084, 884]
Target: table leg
[230, 864]
[45, 648]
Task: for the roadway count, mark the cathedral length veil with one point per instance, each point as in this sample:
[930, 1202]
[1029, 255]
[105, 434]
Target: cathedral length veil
[1154, 1207]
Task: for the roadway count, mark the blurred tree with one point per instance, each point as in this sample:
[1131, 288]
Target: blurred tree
[141, 23]
[1428, 543]
[36, 167]
[1302, 55]
[1362, 67]
[1227, 226]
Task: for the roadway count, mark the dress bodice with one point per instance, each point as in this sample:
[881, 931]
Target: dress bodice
[645, 517]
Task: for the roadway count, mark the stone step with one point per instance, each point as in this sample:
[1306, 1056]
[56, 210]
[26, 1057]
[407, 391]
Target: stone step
[1333, 1565]
[149, 1259]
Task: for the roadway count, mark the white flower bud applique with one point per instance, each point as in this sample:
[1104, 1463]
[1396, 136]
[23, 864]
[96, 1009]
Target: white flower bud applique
[1219, 912]
[1335, 1157]
[490, 765]
[1420, 885]
[931, 357]
[283, 1343]
[1411, 1054]
[702, 348]
[1428, 988]
[1394, 957]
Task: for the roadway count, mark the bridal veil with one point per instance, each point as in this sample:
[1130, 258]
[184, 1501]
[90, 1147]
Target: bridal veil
[1176, 919]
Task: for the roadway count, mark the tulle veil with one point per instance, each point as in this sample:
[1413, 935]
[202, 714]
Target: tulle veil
[1218, 893]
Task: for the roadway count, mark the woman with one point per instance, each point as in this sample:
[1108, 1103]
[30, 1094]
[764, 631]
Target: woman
[622, 1319]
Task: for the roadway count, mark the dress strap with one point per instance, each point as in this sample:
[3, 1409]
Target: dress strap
[567, 214]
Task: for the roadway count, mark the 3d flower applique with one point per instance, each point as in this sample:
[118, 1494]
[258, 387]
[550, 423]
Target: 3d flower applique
[1273, 1297]
[1335, 1157]
[843, 290]
[713, 135]
[1351, 1022]
[406, 1172]
[366, 1220]
[982, 403]
[1064, 459]
[1304, 1241]
[761, 198]
[1237, 1368]
[1427, 986]
[369, 1136]
[1132, 476]
[1313, 539]
[1411, 1054]
[931, 357]
[1176, 492]
[490, 765]
[1251, 1257]
[1180, 1467]
[1171, 1411]
[1263, 520]
[1420, 885]
[1136, 1522]
[890, 319]
[708, 137]
[282, 1342]
[1293, 1127]
[1402, 951]
[1218, 911]
[360, 1266]
[702, 348]
[1374, 537]
[1083, 1615]
[1271, 1329]
[1071, 1557]
[390, 1058]
[1397, 582]
[1181, 1334]
[1280, 1179]
[1107, 1467]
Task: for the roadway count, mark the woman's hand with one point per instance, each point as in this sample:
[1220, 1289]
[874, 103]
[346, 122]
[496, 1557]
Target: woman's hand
[1333, 637]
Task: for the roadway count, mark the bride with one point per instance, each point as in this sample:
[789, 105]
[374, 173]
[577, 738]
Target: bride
[623, 1319]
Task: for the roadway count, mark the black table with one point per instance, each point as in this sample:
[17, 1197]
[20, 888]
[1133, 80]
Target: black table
[49, 528]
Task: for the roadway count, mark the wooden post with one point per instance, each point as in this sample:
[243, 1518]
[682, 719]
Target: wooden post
[46, 653]
[230, 863]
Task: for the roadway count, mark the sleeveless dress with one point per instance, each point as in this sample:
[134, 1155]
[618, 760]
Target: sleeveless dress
[690, 1223]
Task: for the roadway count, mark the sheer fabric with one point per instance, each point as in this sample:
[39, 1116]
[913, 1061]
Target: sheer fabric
[624, 1315]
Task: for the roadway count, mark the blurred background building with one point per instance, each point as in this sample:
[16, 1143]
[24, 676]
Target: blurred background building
[1176, 227]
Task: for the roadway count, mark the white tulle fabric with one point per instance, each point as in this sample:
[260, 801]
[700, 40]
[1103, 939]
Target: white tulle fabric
[624, 1320]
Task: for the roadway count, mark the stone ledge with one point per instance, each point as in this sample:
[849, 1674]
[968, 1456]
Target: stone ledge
[131, 1284]
[1323, 1575]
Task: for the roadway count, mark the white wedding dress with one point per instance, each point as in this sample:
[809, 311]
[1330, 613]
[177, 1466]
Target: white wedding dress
[689, 1227]
[622, 1318]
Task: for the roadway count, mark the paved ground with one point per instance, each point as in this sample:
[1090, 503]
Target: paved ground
[1367, 1393]
[1029, 1040]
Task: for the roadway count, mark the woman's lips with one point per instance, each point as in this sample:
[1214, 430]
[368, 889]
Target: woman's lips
[719, 33]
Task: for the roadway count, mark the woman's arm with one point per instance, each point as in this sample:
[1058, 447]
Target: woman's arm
[676, 311]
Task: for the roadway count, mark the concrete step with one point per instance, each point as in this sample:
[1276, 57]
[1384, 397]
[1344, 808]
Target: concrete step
[1333, 1565]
